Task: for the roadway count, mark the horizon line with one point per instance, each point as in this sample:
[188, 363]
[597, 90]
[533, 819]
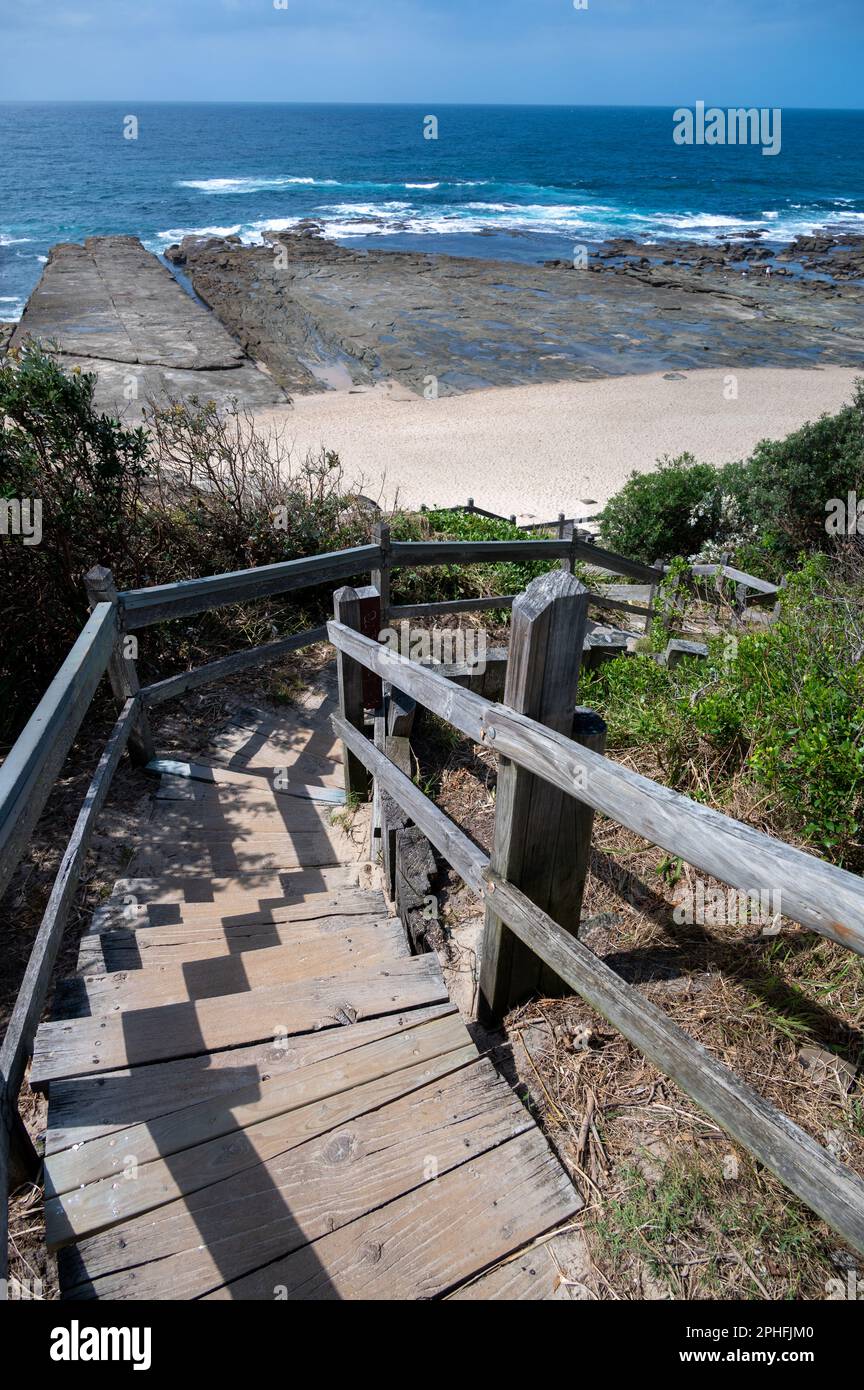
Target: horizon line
[479, 105]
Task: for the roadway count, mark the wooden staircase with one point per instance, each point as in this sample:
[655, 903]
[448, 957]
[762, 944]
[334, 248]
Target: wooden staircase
[255, 1090]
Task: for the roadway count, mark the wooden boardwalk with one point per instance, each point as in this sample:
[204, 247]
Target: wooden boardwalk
[255, 1090]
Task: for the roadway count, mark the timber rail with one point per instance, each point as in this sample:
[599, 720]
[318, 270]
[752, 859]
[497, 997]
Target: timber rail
[552, 762]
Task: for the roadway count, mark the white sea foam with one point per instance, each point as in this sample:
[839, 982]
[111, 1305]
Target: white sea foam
[594, 221]
[178, 233]
[252, 184]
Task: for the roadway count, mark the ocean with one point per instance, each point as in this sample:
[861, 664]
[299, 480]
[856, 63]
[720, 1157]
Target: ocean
[505, 182]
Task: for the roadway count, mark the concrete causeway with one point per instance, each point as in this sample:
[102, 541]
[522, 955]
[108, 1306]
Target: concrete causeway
[112, 308]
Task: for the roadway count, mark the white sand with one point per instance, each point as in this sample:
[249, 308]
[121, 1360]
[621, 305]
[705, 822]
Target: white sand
[538, 450]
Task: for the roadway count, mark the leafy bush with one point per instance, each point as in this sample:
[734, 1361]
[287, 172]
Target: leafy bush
[440, 582]
[783, 489]
[764, 509]
[196, 492]
[658, 515]
[783, 705]
[88, 474]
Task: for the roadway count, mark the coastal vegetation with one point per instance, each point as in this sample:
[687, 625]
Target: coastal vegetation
[763, 510]
[776, 711]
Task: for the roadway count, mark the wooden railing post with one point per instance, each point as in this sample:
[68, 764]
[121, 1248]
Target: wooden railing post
[381, 577]
[369, 603]
[589, 730]
[122, 670]
[567, 532]
[24, 1161]
[346, 609]
[537, 826]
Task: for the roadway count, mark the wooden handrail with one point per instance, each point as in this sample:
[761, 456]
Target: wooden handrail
[17, 1045]
[161, 602]
[417, 553]
[831, 1189]
[820, 896]
[173, 686]
[29, 771]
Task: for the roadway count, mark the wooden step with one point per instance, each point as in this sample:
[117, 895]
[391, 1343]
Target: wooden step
[93, 1107]
[154, 946]
[127, 913]
[295, 885]
[241, 816]
[235, 1226]
[208, 977]
[201, 1145]
[427, 1240]
[181, 780]
[257, 854]
[533, 1276]
[86, 1046]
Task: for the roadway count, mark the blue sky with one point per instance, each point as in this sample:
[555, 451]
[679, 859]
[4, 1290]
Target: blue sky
[627, 52]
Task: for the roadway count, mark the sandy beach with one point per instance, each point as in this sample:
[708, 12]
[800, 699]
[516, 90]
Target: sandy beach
[547, 448]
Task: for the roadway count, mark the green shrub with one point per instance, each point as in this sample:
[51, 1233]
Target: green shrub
[88, 473]
[440, 582]
[763, 510]
[781, 492]
[195, 492]
[783, 705]
[658, 515]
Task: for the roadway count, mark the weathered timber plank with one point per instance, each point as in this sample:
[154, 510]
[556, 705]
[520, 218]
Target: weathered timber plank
[179, 783]
[422, 1244]
[253, 817]
[230, 1228]
[158, 946]
[418, 553]
[269, 1092]
[254, 855]
[80, 1047]
[263, 1128]
[216, 775]
[822, 897]
[254, 888]
[458, 605]
[598, 558]
[90, 1107]
[209, 977]
[173, 922]
[532, 1276]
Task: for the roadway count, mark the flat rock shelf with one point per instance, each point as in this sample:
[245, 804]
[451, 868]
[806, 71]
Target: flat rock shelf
[110, 307]
[255, 1090]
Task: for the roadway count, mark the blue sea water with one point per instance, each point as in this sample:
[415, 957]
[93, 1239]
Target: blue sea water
[504, 182]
